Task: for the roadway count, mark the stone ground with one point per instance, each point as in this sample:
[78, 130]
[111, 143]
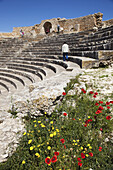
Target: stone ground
[12, 128]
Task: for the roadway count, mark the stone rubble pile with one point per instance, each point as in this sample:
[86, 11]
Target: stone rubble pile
[11, 129]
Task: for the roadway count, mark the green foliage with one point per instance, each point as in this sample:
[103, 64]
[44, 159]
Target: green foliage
[103, 76]
[13, 111]
[77, 129]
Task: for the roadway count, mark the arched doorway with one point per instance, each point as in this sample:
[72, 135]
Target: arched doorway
[47, 26]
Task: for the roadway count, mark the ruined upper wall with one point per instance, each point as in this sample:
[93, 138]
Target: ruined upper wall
[108, 22]
[67, 25]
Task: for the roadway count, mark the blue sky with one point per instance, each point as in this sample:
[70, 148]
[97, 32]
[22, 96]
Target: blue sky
[19, 13]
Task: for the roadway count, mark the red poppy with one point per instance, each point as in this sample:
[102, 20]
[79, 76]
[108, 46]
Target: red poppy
[62, 140]
[107, 103]
[96, 104]
[85, 125]
[79, 159]
[54, 159]
[91, 92]
[82, 155]
[98, 111]
[108, 117]
[101, 102]
[83, 90]
[63, 93]
[86, 122]
[108, 107]
[95, 93]
[79, 164]
[91, 154]
[90, 120]
[100, 147]
[100, 108]
[101, 129]
[65, 146]
[100, 150]
[94, 96]
[111, 102]
[65, 114]
[47, 160]
[56, 153]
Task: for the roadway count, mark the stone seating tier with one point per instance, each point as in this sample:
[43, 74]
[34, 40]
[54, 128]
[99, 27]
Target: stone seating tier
[26, 62]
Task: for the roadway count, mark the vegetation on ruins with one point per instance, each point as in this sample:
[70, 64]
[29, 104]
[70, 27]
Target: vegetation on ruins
[77, 135]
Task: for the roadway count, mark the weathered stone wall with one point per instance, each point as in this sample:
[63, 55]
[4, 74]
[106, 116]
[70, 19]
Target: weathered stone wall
[16, 30]
[83, 23]
[108, 22]
[7, 34]
[66, 25]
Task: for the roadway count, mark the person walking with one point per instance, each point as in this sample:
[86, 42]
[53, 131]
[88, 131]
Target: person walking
[21, 33]
[65, 50]
[58, 28]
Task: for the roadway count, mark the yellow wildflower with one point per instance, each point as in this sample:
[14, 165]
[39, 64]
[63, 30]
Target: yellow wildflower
[24, 133]
[29, 141]
[31, 148]
[75, 143]
[51, 135]
[37, 154]
[34, 121]
[88, 144]
[47, 143]
[74, 140]
[78, 140]
[38, 146]
[49, 147]
[88, 116]
[51, 122]
[81, 148]
[39, 121]
[90, 147]
[42, 144]
[52, 128]
[87, 155]
[57, 130]
[27, 134]
[54, 133]
[45, 113]
[42, 125]
[35, 125]
[23, 162]
[39, 131]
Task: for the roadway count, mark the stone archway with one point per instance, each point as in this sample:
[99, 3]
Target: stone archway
[47, 26]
